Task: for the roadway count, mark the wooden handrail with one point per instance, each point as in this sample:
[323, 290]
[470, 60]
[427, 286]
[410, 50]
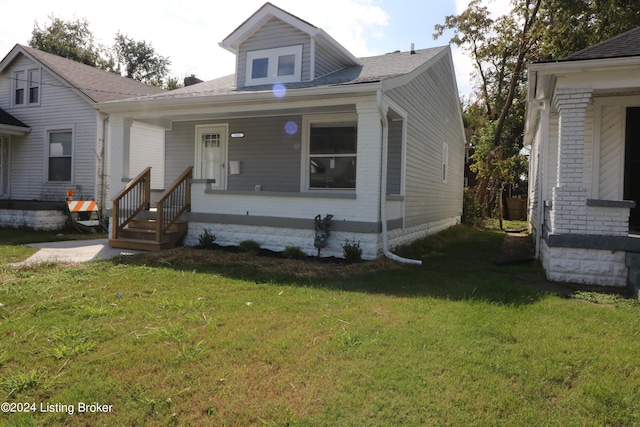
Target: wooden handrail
[133, 199]
[173, 202]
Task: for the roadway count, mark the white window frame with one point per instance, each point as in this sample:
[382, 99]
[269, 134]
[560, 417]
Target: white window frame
[272, 56]
[47, 142]
[307, 121]
[23, 79]
[34, 83]
[19, 83]
[445, 161]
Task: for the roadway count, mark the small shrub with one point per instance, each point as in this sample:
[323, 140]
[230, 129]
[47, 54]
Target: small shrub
[293, 252]
[249, 246]
[352, 251]
[207, 239]
[471, 209]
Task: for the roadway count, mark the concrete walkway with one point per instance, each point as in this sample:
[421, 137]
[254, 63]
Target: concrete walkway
[74, 251]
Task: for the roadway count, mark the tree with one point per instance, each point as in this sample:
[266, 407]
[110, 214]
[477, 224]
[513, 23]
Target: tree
[134, 59]
[138, 60]
[500, 49]
[70, 39]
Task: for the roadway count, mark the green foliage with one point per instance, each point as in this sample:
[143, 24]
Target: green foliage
[207, 239]
[249, 246]
[500, 48]
[134, 59]
[472, 212]
[293, 252]
[351, 251]
[69, 39]
[572, 25]
[138, 60]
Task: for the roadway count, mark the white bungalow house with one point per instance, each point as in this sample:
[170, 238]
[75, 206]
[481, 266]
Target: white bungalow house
[51, 137]
[583, 124]
[301, 129]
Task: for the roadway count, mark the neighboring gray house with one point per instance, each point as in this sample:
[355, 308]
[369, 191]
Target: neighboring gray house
[51, 137]
[583, 123]
[302, 128]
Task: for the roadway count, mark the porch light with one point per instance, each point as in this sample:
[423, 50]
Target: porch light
[237, 135]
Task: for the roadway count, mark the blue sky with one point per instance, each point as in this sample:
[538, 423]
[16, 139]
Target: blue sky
[188, 32]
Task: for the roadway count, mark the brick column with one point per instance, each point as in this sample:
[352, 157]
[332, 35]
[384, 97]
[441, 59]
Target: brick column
[569, 197]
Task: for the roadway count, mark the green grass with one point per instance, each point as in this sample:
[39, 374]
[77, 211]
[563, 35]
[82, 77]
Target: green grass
[12, 241]
[194, 337]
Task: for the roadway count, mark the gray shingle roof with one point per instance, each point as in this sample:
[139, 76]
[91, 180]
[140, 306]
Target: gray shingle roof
[9, 120]
[623, 45]
[99, 85]
[373, 69]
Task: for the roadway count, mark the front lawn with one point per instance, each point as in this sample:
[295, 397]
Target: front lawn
[196, 337]
[12, 241]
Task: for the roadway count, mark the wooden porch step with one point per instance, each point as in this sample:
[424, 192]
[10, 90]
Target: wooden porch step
[141, 234]
[139, 245]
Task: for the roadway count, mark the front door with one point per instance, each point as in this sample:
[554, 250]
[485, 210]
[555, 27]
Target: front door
[211, 154]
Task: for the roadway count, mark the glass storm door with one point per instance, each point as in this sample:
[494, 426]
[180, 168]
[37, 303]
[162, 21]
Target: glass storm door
[211, 154]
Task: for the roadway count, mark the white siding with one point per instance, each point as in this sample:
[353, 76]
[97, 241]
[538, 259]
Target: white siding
[147, 149]
[60, 108]
[610, 153]
[274, 34]
[434, 119]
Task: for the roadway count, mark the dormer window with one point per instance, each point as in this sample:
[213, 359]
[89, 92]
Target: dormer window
[280, 65]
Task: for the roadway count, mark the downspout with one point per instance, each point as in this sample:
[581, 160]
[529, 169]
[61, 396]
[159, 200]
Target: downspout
[102, 167]
[383, 188]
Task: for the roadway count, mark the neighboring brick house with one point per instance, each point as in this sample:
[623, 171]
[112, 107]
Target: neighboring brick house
[51, 136]
[583, 123]
[303, 128]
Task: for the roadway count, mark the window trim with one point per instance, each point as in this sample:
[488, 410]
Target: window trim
[272, 55]
[47, 142]
[34, 83]
[22, 80]
[307, 121]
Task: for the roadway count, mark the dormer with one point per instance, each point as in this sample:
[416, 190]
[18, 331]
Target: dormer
[273, 46]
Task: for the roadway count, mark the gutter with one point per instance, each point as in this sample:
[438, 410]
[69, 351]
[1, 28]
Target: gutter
[164, 102]
[383, 188]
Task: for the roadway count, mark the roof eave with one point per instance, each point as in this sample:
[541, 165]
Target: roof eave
[14, 130]
[233, 41]
[578, 66]
[235, 98]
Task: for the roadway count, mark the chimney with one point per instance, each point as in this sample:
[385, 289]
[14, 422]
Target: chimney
[191, 80]
[413, 50]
